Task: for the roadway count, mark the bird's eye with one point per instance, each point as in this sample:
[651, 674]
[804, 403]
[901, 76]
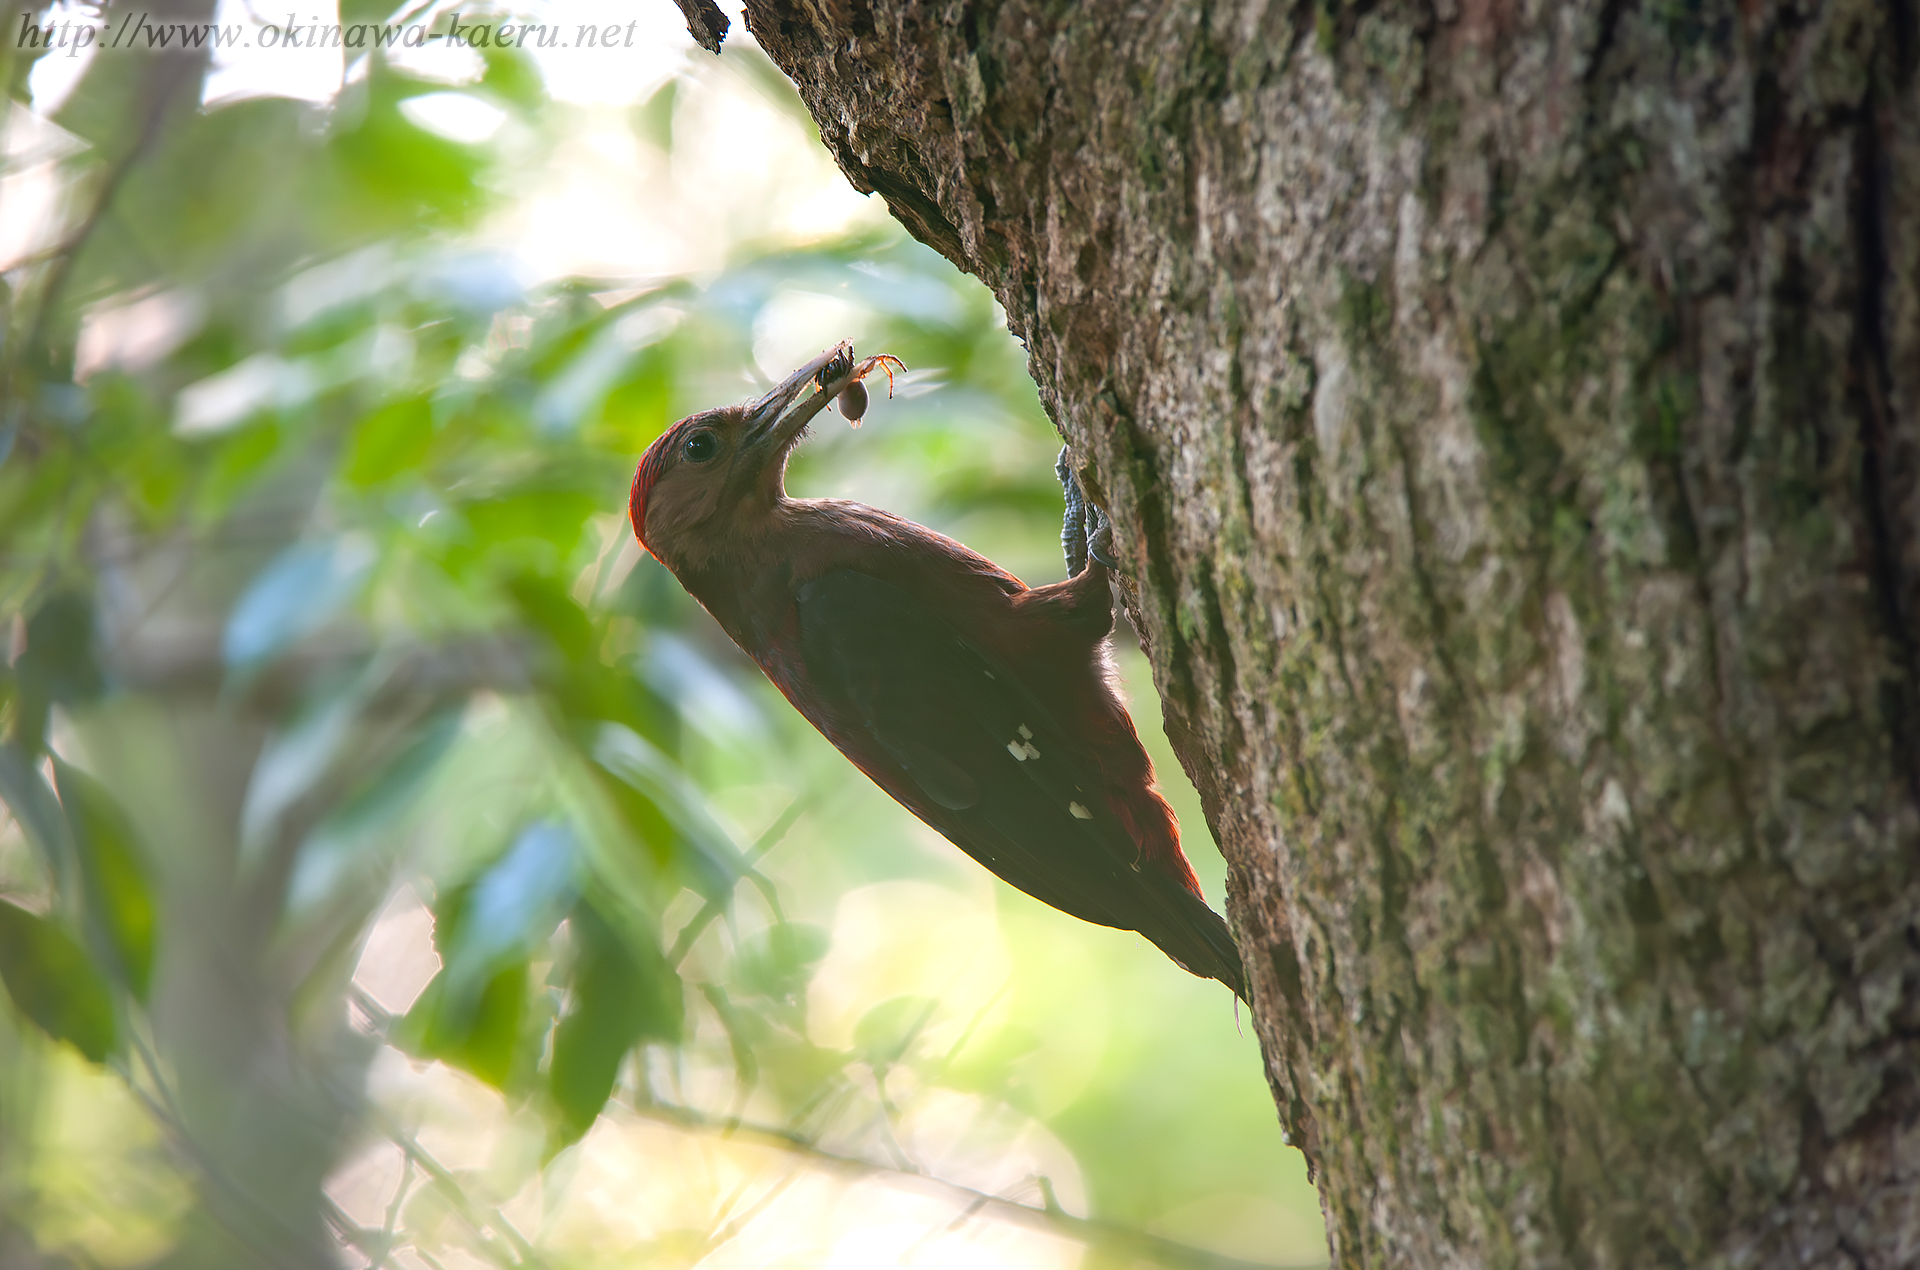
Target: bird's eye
[702, 446]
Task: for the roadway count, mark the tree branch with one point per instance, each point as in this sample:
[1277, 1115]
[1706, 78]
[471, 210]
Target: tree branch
[705, 23]
[1127, 1240]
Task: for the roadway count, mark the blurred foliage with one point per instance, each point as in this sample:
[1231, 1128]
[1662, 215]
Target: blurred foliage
[321, 610]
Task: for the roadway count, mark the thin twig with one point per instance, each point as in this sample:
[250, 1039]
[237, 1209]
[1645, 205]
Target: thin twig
[1088, 1230]
[478, 1217]
[152, 1065]
[167, 75]
[927, 1236]
[889, 1120]
[731, 1230]
[393, 1211]
[683, 943]
[1050, 1218]
[973, 1025]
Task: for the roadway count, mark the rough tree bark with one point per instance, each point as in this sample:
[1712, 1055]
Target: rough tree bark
[1511, 412]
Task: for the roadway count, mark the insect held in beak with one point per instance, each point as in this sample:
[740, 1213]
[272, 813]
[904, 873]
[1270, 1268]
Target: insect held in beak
[852, 401]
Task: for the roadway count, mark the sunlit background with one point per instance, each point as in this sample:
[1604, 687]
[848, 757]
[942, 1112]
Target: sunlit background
[411, 874]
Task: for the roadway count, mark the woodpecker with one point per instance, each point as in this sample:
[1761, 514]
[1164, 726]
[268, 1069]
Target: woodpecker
[985, 707]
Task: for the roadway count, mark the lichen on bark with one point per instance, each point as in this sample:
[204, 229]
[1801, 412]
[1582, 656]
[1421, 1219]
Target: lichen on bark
[1511, 415]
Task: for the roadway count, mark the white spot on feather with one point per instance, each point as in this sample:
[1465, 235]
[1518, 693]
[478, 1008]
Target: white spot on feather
[1022, 750]
[1024, 734]
[1079, 812]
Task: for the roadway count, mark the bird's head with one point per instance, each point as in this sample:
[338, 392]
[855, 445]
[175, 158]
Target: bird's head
[723, 470]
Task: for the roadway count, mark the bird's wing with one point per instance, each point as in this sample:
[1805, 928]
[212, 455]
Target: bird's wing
[959, 739]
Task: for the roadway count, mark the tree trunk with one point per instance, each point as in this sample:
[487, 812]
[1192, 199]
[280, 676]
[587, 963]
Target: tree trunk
[1511, 414]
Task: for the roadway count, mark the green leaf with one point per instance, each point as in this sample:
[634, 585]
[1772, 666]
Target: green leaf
[59, 652]
[532, 515]
[778, 961]
[651, 829]
[113, 875]
[338, 849]
[714, 862]
[514, 77]
[52, 982]
[885, 1033]
[545, 606]
[509, 908]
[393, 173]
[391, 440]
[365, 11]
[236, 183]
[391, 792]
[652, 119]
[576, 681]
[478, 1013]
[237, 458]
[486, 1037]
[304, 586]
[33, 805]
[57, 666]
[622, 994]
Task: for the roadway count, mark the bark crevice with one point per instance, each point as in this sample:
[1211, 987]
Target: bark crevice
[1887, 467]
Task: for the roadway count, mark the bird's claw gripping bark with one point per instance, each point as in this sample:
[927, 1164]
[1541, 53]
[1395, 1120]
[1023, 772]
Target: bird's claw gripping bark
[1085, 532]
[1073, 528]
[1100, 542]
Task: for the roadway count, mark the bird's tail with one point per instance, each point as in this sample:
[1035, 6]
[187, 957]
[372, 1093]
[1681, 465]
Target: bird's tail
[1197, 937]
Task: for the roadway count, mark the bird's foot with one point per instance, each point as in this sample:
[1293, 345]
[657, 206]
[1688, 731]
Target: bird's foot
[1085, 533]
[1073, 528]
[1100, 542]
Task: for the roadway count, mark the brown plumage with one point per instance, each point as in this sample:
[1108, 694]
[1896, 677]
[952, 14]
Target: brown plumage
[986, 707]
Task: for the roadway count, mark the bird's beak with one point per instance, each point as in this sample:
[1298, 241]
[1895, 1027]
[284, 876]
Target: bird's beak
[775, 421]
